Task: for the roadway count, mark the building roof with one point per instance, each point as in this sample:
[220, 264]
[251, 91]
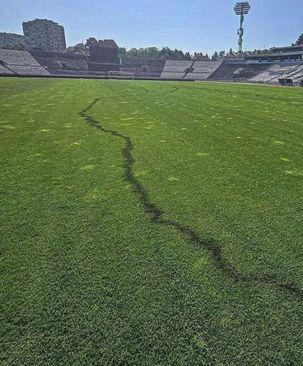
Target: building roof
[107, 43]
[37, 20]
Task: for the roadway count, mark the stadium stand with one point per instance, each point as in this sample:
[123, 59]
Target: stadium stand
[102, 67]
[155, 67]
[265, 77]
[4, 70]
[202, 70]
[212, 70]
[143, 68]
[176, 69]
[133, 64]
[20, 63]
[39, 63]
[279, 71]
[60, 62]
[156, 64]
[238, 71]
[297, 76]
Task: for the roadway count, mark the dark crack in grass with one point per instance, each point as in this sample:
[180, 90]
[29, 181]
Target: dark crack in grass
[156, 214]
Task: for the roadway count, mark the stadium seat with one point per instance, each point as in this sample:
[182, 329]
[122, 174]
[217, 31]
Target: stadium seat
[202, 70]
[280, 71]
[20, 63]
[176, 69]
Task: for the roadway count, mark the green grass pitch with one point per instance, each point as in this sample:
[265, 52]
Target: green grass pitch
[150, 223]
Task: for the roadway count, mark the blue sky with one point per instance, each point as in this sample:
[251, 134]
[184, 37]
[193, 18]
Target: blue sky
[190, 25]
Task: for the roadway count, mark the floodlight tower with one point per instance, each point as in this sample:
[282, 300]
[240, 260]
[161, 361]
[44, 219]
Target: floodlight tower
[241, 9]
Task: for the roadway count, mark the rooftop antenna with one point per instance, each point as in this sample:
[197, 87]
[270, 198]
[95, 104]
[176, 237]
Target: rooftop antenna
[241, 9]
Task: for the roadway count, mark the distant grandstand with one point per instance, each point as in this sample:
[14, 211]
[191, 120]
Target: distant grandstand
[241, 71]
[203, 70]
[61, 62]
[279, 71]
[15, 62]
[143, 68]
[281, 66]
[176, 69]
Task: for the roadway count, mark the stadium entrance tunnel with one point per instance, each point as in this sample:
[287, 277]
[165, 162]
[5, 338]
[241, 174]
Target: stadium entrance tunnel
[286, 82]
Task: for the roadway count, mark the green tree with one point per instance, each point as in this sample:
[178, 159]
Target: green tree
[78, 49]
[200, 57]
[300, 40]
[122, 52]
[187, 56]
[152, 52]
[133, 52]
[215, 56]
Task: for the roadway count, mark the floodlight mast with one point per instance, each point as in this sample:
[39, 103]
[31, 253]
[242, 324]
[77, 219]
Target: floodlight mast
[241, 9]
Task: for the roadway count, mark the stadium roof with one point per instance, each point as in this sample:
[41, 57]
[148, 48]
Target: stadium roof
[276, 54]
[294, 47]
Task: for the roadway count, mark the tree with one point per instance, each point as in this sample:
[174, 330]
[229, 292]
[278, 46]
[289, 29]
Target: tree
[133, 52]
[300, 40]
[151, 52]
[91, 42]
[215, 56]
[122, 52]
[78, 49]
[200, 57]
[187, 56]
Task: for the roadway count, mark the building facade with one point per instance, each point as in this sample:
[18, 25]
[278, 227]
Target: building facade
[44, 35]
[103, 55]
